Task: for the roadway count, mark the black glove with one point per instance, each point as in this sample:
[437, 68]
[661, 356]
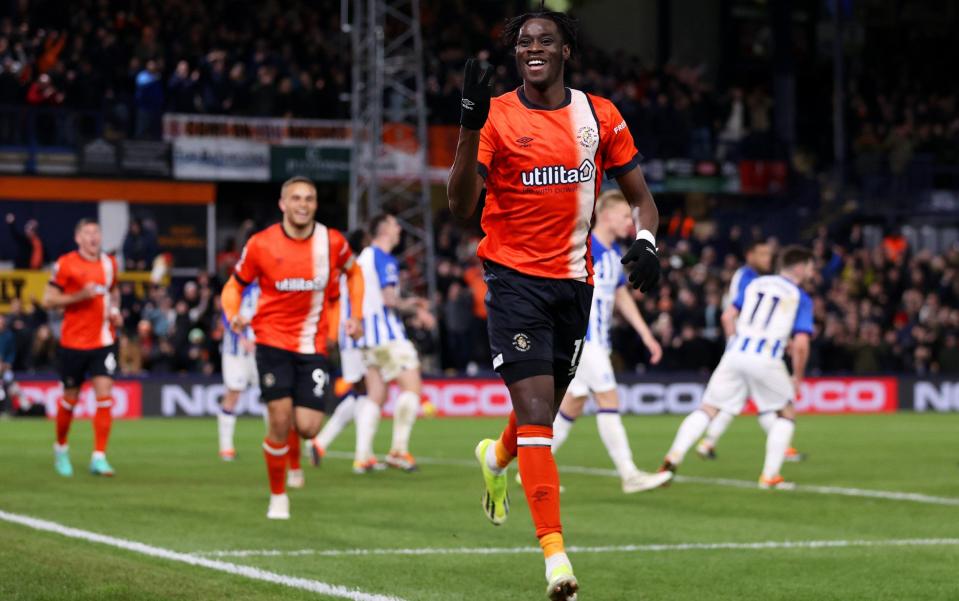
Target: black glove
[645, 268]
[476, 95]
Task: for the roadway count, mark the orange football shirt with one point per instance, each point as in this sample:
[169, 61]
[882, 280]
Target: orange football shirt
[298, 282]
[542, 169]
[86, 324]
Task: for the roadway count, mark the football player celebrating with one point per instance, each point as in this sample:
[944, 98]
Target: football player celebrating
[84, 285]
[541, 150]
[297, 264]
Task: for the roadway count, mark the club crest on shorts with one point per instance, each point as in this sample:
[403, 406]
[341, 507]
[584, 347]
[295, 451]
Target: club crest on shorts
[587, 137]
[521, 342]
[269, 380]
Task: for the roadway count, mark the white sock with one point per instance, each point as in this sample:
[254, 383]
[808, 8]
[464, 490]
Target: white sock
[554, 561]
[689, 432]
[491, 461]
[225, 425]
[777, 441]
[367, 419]
[102, 455]
[766, 420]
[611, 430]
[404, 416]
[60, 448]
[717, 427]
[342, 416]
[561, 428]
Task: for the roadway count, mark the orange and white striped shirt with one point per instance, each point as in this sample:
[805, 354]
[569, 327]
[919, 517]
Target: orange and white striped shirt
[542, 169]
[86, 324]
[298, 284]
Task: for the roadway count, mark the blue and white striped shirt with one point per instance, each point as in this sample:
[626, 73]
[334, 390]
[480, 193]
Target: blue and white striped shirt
[231, 340]
[380, 323]
[771, 310]
[607, 277]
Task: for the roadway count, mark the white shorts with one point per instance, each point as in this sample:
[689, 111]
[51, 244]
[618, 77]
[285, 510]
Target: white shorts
[740, 376]
[352, 364]
[392, 358]
[239, 372]
[594, 373]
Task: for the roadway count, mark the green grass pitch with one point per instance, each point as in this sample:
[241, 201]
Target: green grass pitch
[172, 491]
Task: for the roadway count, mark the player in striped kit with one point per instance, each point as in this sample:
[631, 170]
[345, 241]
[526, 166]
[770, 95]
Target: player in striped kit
[759, 256]
[239, 370]
[594, 375]
[84, 285]
[772, 312]
[389, 355]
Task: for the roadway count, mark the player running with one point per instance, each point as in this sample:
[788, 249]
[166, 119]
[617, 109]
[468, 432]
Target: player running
[239, 369]
[759, 257]
[389, 355]
[541, 150]
[595, 372]
[297, 263]
[84, 285]
[771, 310]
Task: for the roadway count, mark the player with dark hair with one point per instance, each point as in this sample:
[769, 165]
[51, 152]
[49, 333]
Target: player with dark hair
[773, 311]
[540, 151]
[84, 285]
[297, 264]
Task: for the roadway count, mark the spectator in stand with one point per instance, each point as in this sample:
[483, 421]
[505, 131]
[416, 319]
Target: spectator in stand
[29, 254]
[43, 351]
[139, 247]
[149, 101]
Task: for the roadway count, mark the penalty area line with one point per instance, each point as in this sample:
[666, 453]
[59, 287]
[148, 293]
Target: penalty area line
[842, 491]
[315, 586]
[729, 546]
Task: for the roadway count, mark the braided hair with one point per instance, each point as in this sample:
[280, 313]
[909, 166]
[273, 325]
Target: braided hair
[567, 25]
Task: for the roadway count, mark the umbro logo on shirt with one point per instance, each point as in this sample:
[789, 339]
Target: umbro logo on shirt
[524, 142]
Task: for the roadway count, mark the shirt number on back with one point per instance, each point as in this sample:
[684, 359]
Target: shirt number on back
[772, 309]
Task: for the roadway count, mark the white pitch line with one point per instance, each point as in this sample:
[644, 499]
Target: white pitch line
[888, 495]
[763, 545]
[315, 586]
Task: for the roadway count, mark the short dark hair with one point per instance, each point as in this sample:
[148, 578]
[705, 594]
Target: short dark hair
[85, 222]
[297, 179]
[794, 255]
[379, 220]
[753, 244]
[567, 25]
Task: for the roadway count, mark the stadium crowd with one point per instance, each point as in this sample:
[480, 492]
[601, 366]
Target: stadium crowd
[292, 61]
[882, 309]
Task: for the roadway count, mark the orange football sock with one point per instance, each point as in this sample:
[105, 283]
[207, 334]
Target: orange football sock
[102, 420]
[505, 447]
[293, 442]
[552, 544]
[275, 455]
[64, 419]
[540, 480]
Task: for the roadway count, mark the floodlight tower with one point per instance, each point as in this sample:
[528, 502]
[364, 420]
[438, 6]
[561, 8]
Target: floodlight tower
[388, 115]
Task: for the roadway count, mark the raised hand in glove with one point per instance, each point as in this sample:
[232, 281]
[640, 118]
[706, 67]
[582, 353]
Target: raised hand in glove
[643, 262]
[476, 95]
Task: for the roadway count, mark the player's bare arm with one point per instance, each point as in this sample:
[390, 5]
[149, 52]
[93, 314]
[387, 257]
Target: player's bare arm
[642, 258]
[728, 319]
[630, 312]
[54, 298]
[465, 184]
[800, 356]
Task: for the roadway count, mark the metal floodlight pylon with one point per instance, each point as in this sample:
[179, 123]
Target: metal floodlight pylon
[388, 121]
